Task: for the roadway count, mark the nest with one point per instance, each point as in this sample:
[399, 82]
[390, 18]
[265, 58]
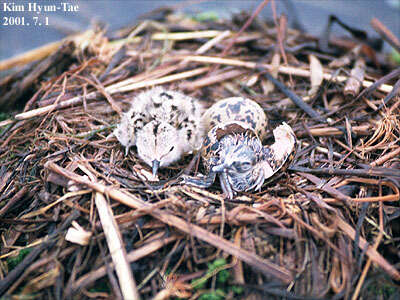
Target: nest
[73, 208]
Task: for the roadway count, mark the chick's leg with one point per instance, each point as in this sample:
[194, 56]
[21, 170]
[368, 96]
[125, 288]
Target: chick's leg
[226, 187]
[201, 182]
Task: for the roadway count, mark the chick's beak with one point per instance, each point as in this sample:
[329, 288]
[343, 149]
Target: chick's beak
[219, 168]
[127, 150]
[155, 166]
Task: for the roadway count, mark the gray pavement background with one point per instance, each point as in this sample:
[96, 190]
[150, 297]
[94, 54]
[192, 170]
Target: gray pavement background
[117, 13]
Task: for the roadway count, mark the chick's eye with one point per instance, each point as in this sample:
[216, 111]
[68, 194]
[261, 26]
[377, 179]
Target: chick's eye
[172, 148]
[242, 166]
[245, 166]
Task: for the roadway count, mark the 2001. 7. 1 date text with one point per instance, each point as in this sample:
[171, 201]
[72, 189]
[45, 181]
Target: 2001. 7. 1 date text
[22, 21]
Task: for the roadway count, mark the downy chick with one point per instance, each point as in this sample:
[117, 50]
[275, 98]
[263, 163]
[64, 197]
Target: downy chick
[164, 125]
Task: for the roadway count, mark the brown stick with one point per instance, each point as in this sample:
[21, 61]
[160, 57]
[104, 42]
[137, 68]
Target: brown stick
[7, 100]
[111, 90]
[247, 24]
[332, 131]
[371, 252]
[14, 200]
[370, 172]
[30, 56]
[386, 34]
[386, 157]
[209, 80]
[394, 74]
[262, 265]
[282, 69]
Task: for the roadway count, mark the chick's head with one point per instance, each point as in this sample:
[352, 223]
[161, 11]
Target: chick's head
[158, 144]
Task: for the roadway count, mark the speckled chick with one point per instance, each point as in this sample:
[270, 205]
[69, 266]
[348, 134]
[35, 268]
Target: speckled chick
[164, 125]
[233, 149]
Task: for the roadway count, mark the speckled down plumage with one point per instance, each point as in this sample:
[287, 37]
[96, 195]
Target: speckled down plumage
[163, 125]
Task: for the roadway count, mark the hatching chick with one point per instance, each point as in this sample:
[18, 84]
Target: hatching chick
[233, 149]
[164, 125]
